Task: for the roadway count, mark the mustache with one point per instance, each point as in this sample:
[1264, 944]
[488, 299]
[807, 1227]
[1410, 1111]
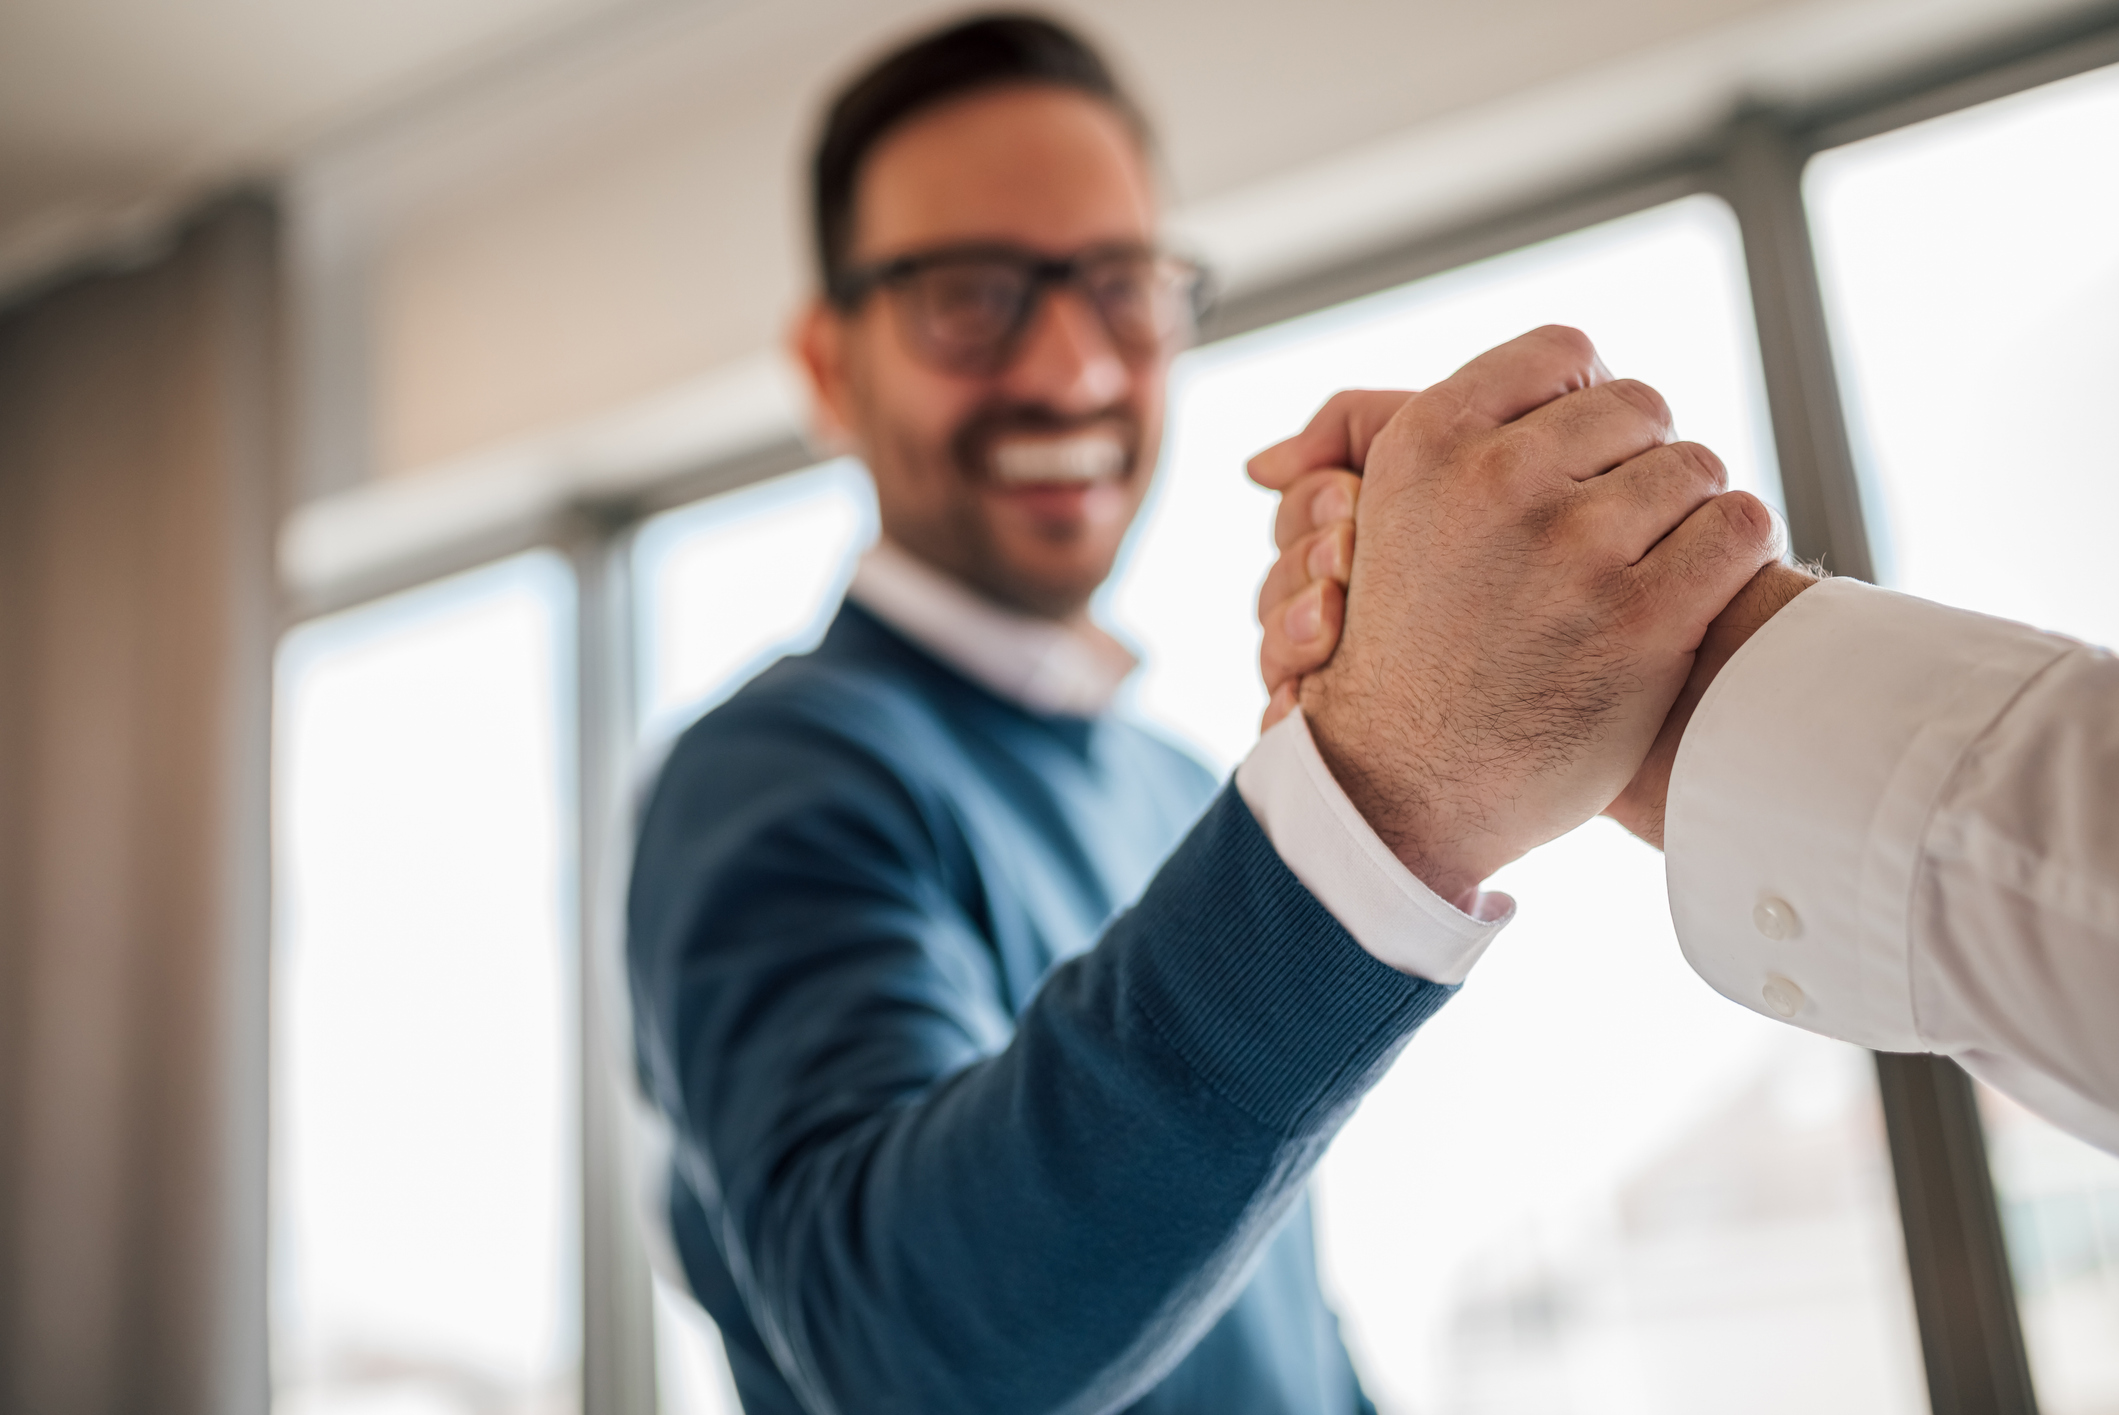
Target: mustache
[972, 444]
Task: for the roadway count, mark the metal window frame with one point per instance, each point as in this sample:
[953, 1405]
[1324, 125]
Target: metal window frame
[618, 1366]
[1957, 1264]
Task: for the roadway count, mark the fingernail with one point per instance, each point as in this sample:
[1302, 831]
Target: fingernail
[1305, 619]
[1334, 503]
[1324, 559]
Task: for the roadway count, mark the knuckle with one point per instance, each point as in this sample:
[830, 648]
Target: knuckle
[1505, 462]
[1703, 463]
[1641, 398]
[1568, 529]
[1567, 341]
[1332, 497]
[1747, 515]
[1622, 600]
[1350, 404]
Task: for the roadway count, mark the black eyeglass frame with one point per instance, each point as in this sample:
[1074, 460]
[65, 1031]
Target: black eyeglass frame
[848, 290]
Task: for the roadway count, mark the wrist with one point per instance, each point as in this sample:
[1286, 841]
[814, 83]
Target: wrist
[1640, 807]
[1767, 593]
[1400, 802]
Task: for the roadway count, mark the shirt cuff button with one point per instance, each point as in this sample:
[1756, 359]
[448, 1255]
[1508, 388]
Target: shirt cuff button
[1775, 918]
[1783, 998]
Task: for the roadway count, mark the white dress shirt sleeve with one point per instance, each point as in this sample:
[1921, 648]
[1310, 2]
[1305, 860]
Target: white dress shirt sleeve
[1342, 862]
[1898, 824]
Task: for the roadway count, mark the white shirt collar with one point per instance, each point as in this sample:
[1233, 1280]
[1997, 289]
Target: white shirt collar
[1048, 667]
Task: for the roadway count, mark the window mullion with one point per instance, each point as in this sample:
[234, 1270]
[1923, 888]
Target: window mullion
[1762, 180]
[618, 1340]
[1955, 1256]
[1963, 1295]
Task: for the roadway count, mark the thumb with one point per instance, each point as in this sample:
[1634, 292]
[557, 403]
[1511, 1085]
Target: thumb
[1337, 436]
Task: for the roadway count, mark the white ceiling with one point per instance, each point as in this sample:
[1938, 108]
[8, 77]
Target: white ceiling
[113, 112]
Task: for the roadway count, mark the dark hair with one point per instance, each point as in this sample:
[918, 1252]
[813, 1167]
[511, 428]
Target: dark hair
[987, 51]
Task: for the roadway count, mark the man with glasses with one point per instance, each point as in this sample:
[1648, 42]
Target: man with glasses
[997, 1045]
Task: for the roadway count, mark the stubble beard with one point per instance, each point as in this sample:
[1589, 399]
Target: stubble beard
[947, 522]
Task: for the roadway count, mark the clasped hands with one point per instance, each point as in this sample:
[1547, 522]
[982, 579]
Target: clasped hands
[1498, 601]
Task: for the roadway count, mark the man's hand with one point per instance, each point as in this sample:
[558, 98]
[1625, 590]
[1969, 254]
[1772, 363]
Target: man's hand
[1535, 566]
[1301, 605]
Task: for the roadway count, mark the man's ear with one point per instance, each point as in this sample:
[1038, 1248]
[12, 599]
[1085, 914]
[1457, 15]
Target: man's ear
[818, 342]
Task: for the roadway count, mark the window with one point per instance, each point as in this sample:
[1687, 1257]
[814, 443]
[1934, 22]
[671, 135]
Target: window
[727, 585]
[722, 588]
[1971, 270]
[425, 1151]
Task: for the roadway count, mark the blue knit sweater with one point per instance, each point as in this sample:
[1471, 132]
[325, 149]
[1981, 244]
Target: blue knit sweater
[953, 1133]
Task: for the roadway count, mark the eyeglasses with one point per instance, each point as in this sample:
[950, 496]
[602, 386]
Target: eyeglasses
[965, 309]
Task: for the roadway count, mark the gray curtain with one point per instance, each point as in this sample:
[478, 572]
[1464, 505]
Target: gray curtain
[138, 448]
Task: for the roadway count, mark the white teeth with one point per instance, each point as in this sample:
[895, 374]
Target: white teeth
[1084, 457]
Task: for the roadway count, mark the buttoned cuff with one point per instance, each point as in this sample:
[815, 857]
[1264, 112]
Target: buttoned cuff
[1346, 866]
[1801, 799]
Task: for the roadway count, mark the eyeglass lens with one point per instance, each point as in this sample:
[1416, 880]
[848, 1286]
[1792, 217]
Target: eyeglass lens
[967, 313]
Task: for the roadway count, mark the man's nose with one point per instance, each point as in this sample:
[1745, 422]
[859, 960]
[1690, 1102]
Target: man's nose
[1067, 360]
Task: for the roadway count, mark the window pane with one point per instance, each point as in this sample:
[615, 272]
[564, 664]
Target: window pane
[722, 588]
[1971, 271]
[1590, 1183]
[729, 584]
[692, 1375]
[2060, 1213]
[425, 1234]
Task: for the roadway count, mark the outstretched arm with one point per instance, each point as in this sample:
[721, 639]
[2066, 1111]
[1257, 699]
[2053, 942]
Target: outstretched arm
[925, 1203]
[1898, 824]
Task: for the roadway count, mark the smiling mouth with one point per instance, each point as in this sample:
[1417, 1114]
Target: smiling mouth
[1076, 459]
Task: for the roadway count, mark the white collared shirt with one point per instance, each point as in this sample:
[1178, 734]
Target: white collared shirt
[1898, 824]
[1077, 669]
[1069, 670]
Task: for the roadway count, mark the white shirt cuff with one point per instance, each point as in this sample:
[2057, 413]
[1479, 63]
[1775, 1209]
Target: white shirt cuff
[1803, 792]
[1328, 846]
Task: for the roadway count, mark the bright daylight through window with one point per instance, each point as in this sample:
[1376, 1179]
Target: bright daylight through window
[1590, 1184]
[425, 1199]
[723, 588]
[1971, 269]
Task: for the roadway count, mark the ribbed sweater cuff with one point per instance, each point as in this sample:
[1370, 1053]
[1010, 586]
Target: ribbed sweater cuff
[1257, 986]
